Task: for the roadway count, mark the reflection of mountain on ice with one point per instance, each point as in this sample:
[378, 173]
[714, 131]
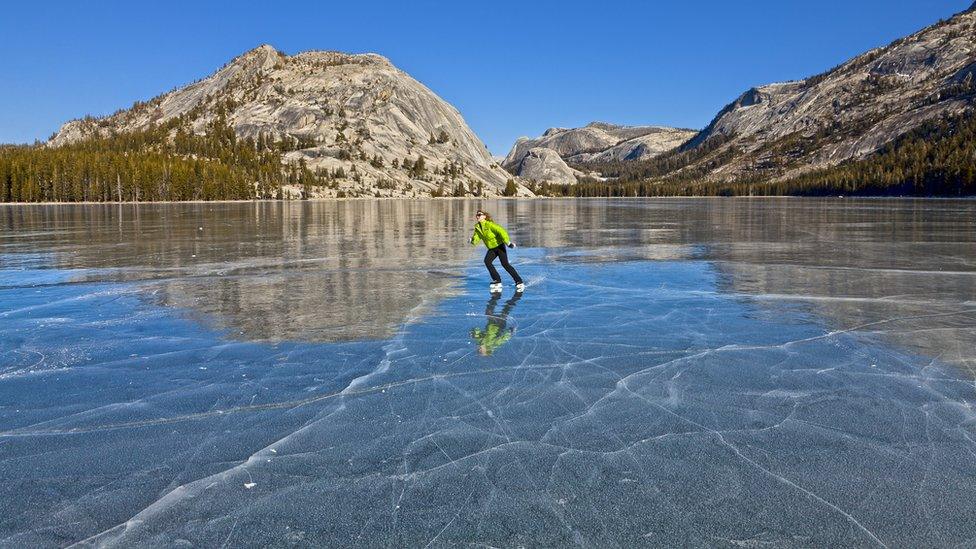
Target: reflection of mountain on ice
[352, 270]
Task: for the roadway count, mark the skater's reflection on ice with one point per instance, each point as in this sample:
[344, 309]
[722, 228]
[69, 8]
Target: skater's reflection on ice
[496, 332]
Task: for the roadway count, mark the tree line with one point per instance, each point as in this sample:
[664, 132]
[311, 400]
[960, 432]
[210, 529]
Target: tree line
[170, 162]
[162, 162]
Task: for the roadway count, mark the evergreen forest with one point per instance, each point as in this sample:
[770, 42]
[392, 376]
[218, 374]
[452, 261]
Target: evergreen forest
[163, 162]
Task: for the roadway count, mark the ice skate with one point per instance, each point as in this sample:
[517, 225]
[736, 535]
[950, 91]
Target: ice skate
[520, 287]
[495, 287]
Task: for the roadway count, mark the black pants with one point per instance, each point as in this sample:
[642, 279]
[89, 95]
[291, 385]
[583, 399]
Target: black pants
[502, 255]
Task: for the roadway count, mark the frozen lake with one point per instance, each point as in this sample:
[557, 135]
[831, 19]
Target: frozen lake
[715, 372]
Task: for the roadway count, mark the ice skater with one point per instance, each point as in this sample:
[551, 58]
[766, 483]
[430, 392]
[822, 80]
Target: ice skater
[495, 239]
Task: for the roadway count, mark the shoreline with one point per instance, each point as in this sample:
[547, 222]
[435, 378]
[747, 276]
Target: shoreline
[378, 199]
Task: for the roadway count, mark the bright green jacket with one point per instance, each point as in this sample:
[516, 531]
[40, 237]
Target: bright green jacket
[489, 232]
[491, 338]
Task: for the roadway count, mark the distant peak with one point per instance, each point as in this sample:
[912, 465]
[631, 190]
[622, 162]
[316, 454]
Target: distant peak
[263, 49]
[261, 54]
[261, 57]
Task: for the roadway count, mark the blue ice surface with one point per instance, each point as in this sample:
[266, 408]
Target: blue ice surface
[634, 403]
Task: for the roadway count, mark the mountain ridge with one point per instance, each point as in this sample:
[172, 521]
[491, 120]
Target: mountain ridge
[338, 124]
[594, 141]
[344, 114]
[847, 112]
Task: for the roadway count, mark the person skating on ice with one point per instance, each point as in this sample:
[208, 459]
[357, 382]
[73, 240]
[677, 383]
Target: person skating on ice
[495, 239]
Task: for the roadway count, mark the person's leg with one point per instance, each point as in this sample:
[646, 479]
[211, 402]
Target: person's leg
[489, 258]
[503, 257]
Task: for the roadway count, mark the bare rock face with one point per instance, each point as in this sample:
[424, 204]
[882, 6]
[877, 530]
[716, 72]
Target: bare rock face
[545, 165]
[563, 142]
[782, 129]
[599, 141]
[354, 112]
[641, 147]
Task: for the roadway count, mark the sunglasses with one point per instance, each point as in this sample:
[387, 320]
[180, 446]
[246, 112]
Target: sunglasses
[479, 214]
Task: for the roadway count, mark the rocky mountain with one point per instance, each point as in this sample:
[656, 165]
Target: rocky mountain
[542, 164]
[595, 141]
[323, 124]
[781, 130]
[369, 126]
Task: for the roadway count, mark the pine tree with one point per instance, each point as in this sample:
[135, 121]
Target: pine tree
[511, 189]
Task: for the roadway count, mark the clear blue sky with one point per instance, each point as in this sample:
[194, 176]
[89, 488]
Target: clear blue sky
[511, 68]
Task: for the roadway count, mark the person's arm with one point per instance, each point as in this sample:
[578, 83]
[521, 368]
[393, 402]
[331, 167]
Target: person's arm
[475, 238]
